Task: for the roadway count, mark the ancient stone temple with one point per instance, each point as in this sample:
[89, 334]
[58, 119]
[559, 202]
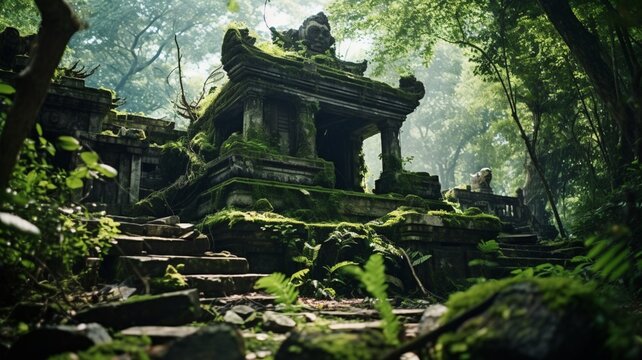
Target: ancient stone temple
[129, 143]
[299, 116]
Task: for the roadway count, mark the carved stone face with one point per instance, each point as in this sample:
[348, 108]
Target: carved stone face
[317, 36]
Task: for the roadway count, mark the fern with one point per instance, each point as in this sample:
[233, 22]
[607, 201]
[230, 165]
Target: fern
[298, 278]
[279, 286]
[373, 278]
[489, 247]
[339, 265]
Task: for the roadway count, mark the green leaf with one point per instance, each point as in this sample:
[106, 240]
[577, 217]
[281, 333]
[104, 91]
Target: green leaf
[90, 158]
[17, 223]
[279, 286]
[73, 182]
[340, 265]
[6, 89]
[39, 129]
[68, 143]
[107, 171]
[373, 278]
[233, 6]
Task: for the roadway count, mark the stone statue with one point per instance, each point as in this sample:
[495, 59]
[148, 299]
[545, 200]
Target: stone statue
[314, 37]
[480, 182]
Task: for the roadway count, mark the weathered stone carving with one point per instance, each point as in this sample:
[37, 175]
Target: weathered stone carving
[480, 182]
[314, 34]
[315, 38]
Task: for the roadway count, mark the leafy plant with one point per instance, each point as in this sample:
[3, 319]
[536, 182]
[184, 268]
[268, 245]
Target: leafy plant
[279, 286]
[45, 234]
[373, 278]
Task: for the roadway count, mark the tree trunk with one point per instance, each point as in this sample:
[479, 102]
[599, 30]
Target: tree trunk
[58, 25]
[586, 49]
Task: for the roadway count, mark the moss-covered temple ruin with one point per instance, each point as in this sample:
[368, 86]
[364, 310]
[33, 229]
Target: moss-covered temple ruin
[281, 146]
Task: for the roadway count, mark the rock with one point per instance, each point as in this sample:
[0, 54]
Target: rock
[277, 323]
[319, 345]
[233, 318]
[174, 308]
[240, 314]
[552, 318]
[168, 220]
[221, 342]
[430, 318]
[50, 340]
[243, 310]
[160, 334]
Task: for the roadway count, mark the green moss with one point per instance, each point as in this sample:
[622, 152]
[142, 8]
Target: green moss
[394, 217]
[557, 292]
[462, 220]
[173, 280]
[320, 344]
[236, 143]
[130, 347]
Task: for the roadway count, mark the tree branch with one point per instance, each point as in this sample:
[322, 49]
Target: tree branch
[58, 24]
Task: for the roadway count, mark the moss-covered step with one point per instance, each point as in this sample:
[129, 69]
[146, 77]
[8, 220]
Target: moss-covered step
[544, 252]
[529, 262]
[155, 229]
[155, 265]
[517, 238]
[136, 245]
[223, 285]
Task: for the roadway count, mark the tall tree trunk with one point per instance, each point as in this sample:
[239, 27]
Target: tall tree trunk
[586, 49]
[58, 25]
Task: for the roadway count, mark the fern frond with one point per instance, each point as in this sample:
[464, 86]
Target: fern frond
[297, 278]
[339, 265]
[373, 277]
[279, 286]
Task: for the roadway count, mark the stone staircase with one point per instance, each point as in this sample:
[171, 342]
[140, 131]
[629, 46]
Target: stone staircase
[525, 250]
[146, 246]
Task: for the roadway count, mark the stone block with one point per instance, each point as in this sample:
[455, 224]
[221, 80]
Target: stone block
[174, 308]
[51, 340]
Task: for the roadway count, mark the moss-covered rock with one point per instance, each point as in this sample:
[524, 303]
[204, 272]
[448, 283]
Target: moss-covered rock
[552, 318]
[319, 345]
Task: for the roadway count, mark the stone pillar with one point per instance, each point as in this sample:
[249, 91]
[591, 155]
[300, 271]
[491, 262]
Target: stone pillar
[134, 179]
[357, 161]
[390, 146]
[306, 139]
[124, 178]
[254, 128]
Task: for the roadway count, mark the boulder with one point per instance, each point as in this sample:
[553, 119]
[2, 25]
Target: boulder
[221, 342]
[51, 340]
[336, 345]
[553, 318]
[169, 309]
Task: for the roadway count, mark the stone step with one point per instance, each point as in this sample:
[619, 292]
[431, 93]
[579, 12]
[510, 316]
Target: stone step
[158, 230]
[140, 245]
[155, 265]
[160, 334]
[529, 261]
[566, 253]
[517, 238]
[223, 285]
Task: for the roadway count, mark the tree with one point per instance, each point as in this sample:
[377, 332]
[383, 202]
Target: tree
[58, 25]
[132, 41]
